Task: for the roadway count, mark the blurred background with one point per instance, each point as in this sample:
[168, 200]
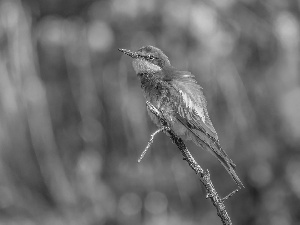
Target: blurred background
[73, 120]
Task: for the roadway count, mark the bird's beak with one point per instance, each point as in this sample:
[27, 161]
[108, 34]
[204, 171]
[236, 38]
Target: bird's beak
[129, 53]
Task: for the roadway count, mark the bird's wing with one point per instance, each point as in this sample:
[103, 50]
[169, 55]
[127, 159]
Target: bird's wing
[192, 113]
[192, 104]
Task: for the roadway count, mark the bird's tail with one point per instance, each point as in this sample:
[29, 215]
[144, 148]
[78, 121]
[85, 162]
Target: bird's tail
[215, 149]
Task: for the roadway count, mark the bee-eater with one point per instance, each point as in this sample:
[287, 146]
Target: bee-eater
[180, 99]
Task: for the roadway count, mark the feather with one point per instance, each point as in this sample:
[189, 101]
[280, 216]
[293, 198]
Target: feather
[192, 113]
[192, 98]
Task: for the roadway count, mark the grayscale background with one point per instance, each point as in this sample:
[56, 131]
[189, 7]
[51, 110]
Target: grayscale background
[73, 120]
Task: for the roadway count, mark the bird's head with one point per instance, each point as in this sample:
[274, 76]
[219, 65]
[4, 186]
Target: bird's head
[147, 59]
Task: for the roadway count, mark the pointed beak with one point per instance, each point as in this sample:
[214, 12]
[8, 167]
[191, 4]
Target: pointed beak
[129, 53]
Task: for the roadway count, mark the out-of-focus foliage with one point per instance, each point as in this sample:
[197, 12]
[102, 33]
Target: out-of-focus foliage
[73, 121]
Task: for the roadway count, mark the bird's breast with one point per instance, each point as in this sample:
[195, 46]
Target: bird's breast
[158, 94]
[160, 97]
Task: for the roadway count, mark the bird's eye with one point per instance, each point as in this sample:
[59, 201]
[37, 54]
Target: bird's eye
[150, 57]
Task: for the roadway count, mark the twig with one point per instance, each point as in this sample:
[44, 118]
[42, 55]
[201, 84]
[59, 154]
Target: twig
[230, 194]
[211, 192]
[149, 144]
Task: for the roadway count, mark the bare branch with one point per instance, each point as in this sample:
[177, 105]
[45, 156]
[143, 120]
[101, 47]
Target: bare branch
[149, 144]
[204, 177]
[230, 194]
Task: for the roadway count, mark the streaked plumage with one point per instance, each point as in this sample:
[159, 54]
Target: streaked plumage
[180, 99]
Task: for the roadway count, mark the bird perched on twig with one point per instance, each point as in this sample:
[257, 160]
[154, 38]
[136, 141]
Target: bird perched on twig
[180, 99]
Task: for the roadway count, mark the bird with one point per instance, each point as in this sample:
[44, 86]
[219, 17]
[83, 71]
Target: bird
[180, 99]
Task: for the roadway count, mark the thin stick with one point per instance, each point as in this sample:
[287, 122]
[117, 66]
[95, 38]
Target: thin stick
[204, 177]
[149, 144]
[230, 194]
